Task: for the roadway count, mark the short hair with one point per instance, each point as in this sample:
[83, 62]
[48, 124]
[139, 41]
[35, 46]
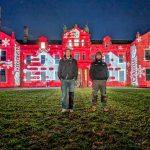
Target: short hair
[68, 49]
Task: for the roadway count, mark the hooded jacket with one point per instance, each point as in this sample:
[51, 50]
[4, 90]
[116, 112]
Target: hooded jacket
[99, 70]
[68, 69]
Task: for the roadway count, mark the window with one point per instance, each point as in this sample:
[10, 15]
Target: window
[147, 74]
[109, 72]
[56, 76]
[92, 57]
[43, 45]
[83, 56]
[107, 44]
[77, 56]
[147, 54]
[28, 59]
[107, 59]
[70, 43]
[76, 42]
[28, 76]
[43, 76]
[82, 43]
[2, 75]
[57, 59]
[120, 58]
[3, 56]
[42, 59]
[121, 76]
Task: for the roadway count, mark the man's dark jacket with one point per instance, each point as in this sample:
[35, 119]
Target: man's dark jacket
[99, 70]
[68, 69]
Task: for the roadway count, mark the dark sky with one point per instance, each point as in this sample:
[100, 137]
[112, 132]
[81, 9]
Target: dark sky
[120, 19]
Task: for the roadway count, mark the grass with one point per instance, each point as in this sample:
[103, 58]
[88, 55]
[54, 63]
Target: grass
[32, 120]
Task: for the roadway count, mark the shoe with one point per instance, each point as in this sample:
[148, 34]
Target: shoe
[63, 110]
[93, 109]
[71, 110]
[105, 109]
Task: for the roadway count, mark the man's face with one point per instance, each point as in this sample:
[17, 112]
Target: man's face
[68, 53]
[98, 57]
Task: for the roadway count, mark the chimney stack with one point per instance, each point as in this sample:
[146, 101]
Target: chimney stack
[26, 34]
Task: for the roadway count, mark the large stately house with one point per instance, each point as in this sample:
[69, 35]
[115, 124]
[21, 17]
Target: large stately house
[34, 63]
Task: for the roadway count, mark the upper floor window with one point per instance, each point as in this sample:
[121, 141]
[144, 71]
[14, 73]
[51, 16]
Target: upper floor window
[147, 54]
[120, 58]
[107, 59]
[148, 74]
[28, 59]
[3, 56]
[43, 45]
[76, 42]
[2, 75]
[83, 56]
[82, 43]
[77, 56]
[107, 45]
[70, 43]
[92, 57]
[57, 59]
[42, 59]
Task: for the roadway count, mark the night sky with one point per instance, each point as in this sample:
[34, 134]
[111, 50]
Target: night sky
[120, 19]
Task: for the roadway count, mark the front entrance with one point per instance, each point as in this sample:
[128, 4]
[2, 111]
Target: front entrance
[82, 80]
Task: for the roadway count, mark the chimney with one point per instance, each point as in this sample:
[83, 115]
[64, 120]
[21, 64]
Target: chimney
[26, 34]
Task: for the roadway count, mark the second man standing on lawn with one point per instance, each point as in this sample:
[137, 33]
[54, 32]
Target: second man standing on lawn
[99, 75]
[67, 73]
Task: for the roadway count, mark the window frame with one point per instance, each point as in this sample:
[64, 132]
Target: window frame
[4, 55]
[146, 74]
[122, 59]
[119, 75]
[78, 55]
[43, 59]
[145, 55]
[42, 76]
[27, 76]
[5, 75]
[28, 59]
[105, 59]
[57, 60]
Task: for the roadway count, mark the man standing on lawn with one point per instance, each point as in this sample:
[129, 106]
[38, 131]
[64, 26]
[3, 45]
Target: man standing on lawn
[99, 75]
[67, 73]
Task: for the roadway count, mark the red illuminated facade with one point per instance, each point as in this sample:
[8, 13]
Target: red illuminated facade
[35, 63]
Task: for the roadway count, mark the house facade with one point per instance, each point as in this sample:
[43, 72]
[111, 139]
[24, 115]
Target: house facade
[35, 63]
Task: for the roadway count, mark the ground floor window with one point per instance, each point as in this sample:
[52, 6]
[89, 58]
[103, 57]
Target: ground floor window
[148, 74]
[56, 75]
[43, 76]
[77, 56]
[147, 54]
[121, 76]
[2, 75]
[28, 76]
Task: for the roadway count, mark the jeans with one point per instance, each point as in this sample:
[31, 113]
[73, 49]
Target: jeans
[65, 86]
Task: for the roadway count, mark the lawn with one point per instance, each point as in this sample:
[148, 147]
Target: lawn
[32, 119]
